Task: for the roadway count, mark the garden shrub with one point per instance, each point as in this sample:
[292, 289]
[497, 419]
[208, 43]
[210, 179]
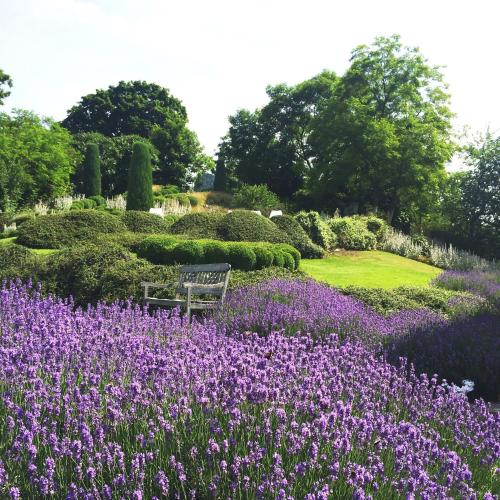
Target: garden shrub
[187, 252]
[317, 229]
[88, 203]
[256, 197]
[289, 261]
[193, 201]
[219, 198]
[264, 257]
[4, 220]
[377, 226]
[239, 279]
[13, 255]
[199, 225]
[77, 205]
[292, 251]
[79, 271]
[423, 242]
[144, 222]
[154, 249]
[278, 257]
[243, 225]
[215, 252]
[298, 237]
[92, 171]
[99, 200]
[241, 256]
[352, 233]
[67, 228]
[432, 297]
[22, 217]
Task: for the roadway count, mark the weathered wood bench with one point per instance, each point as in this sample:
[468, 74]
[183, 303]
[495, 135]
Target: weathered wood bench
[194, 281]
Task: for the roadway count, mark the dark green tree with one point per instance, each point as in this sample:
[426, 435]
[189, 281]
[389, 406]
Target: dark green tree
[5, 84]
[115, 154]
[36, 159]
[140, 179]
[149, 111]
[271, 145]
[383, 138]
[92, 171]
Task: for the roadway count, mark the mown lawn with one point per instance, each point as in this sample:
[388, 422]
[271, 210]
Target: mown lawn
[38, 251]
[369, 269]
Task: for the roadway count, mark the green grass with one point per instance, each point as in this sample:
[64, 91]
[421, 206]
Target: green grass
[7, 241]
[38, 251]
[369, 269]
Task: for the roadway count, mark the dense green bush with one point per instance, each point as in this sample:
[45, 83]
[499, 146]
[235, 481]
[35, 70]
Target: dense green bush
[13, 255]
[264, 257]
[199, 225]
[144, 222]
[423, 242]
[88, 203]
[128, 239]
[243, 225]
[99, 200]
[256, 197]
[352, 233]
[79, 271]
[216, 251]
[140, 179]
[4, 220]
[193, 200]
[381, 300]
[377, 226]
[298, 237]
[317, 229]
[187, 252]
[241, 256]
[21, 217]
[77, 205]
[219, 198]
[65, 229]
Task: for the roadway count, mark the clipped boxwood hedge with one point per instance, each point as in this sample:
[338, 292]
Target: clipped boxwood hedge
[243, 225]
[298, 237]
[241, 255]
[199, 225]
[144, 222]
[65, 229]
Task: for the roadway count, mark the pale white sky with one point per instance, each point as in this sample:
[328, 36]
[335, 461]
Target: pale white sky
[218, 55]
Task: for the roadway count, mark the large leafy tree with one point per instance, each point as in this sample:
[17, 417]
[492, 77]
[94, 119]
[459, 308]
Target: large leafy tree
[383, 139]
[36, 159]
[5, 85]
[271, 144]
[115, 154]
[149, 111]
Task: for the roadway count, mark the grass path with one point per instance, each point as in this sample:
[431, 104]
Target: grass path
[38, 251]
[369, 269]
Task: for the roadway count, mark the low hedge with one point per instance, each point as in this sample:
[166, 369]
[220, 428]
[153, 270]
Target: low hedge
[144, 222]
[241, 255]
[13, 255]
[243, 225]
[298, 237]
[65, 229]
[199, 225]
[352, 233]
[317, 229]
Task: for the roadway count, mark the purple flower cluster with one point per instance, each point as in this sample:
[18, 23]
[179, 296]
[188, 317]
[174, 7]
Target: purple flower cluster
[483, 283]
[116, 403]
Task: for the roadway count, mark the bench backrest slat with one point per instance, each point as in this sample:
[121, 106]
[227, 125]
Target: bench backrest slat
[204, 274]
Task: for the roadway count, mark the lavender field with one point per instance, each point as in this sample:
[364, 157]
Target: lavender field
[287, 392]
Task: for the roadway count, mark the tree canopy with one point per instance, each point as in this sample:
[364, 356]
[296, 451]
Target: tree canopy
[271, 144]
[383, 138]
[150, 111]
[36, 159]
[5, 85]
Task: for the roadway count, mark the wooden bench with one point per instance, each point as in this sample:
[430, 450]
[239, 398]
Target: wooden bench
[194, 280]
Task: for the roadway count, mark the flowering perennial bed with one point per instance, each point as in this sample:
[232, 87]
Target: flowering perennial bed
[113, 403]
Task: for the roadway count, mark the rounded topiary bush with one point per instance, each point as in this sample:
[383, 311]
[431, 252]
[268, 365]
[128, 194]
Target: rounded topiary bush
[156, 249]
[15, 256]
[241, 256]
[289, 262]
[264, 257]
[298, 237]
[65, 229]
[186, 252]
[216, 252]
[199, 225]
[293, 252]
[352, 233]
[88, 203]
[278, 257]
[144, 222]
[242, 225]
[317, 229]
[99, 200]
